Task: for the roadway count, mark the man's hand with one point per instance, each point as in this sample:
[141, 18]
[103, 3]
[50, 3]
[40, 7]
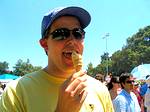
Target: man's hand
[72, 93]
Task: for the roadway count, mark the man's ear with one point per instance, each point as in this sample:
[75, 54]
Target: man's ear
[43, 43]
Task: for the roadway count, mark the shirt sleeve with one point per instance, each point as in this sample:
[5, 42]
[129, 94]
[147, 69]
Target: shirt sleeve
[137, 106]
[147, 98]
[119, 105]
[109, 104]
[10, 100]
[106, 99]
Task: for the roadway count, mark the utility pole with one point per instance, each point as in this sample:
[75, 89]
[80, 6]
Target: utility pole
[106, 37]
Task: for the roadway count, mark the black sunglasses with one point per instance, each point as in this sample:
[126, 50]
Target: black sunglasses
[130, 81]
[63, 33]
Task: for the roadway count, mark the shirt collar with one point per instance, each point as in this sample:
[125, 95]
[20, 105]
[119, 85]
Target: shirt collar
[126, 93]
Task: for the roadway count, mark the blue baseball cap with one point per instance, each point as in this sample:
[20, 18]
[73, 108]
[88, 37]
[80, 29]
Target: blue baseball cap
[82, 15]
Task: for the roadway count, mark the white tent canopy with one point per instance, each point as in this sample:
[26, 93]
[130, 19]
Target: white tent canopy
[141, 71]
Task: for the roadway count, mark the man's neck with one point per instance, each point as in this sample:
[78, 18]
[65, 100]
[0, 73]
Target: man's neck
[128, 91]
[57, 73]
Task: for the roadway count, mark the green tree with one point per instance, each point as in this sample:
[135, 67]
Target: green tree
[134, 53]
[140, 46]
[90, 69]
[3, 67]
[123, 61]
[21, 68]
[106, 63]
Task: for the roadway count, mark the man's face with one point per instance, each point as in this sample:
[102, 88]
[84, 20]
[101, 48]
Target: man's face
[128, 85]
[116, 85]
[59, 51]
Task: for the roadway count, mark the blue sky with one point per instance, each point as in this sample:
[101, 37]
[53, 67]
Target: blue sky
[20, 23]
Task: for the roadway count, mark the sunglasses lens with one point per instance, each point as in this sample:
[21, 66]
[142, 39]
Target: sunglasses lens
[60, 34]
[129, 82]
[78, 33]
[63, 33]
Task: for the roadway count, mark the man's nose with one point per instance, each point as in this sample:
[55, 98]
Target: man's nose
[71, 35]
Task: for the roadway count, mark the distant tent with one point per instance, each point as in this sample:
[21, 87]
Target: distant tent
[8, 76]
[5, 78]
[141, 71]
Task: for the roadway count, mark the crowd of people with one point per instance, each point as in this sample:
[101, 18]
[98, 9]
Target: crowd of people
[60, 86]
[127, 93]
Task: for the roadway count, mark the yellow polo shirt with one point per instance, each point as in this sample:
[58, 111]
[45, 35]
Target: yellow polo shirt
[38, 92]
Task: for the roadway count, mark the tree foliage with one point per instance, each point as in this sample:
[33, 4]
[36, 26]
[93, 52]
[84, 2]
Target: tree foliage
[3, 67]
[21, 68]
[134, 53]
[90, 69]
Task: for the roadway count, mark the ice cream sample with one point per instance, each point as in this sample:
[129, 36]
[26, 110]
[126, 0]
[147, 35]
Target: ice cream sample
[77, 61]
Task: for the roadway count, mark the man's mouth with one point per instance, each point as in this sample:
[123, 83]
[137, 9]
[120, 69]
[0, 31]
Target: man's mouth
[68, 54]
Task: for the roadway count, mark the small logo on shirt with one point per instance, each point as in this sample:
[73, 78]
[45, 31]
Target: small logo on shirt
[91, 107]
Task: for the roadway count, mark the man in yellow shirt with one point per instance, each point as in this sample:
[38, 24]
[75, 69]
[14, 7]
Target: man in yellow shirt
[60, 86]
